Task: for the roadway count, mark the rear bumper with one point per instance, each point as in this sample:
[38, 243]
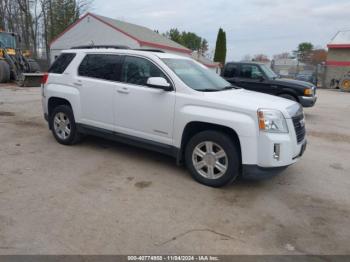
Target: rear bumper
[307, 101]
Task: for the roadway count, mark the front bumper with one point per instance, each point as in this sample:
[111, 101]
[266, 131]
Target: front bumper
[256, 172]
[307, 101]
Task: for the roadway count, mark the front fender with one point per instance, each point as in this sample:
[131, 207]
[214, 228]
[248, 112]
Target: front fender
[243, 124]
[291, 91]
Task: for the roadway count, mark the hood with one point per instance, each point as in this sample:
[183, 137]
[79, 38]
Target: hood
[293, 83]
[245, 100]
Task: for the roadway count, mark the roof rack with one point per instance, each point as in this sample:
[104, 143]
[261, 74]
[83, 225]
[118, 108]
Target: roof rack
[101, 47]
[149, 50]
[115, 47]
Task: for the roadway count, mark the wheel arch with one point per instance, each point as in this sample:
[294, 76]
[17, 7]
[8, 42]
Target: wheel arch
[195, 127]
[54, 102]
[289, 92]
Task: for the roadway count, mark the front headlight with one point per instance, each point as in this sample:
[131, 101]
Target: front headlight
[272, 121]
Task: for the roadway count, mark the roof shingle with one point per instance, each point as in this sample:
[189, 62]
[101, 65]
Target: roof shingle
[143, 34]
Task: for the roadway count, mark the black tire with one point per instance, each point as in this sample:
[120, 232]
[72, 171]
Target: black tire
[20, 79]
[74, 136]
[4, 72]
[33, 66]
[289, 97]
[232, 157]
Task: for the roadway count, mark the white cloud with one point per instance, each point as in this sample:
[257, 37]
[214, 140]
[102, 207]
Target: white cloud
[334, 11]
[252, 26]
[161, 14]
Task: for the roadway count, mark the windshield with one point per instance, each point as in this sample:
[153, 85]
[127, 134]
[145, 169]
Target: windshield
[196, 76]
[7, 40]
[268, 72]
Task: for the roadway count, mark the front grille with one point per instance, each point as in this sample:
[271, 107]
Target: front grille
[299, 126]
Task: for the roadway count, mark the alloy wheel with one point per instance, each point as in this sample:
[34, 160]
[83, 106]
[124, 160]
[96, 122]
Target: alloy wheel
[62, 125]
[210, 160]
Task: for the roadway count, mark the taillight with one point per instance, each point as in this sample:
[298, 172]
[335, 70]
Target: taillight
[45, 78]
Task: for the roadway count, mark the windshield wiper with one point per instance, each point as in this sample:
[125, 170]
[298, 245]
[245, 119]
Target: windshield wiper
[218, 90]
[230, 87]
[209, 90]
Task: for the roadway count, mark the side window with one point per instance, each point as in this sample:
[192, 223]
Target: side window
[231, 70]
[250, 72]
[102, 66]
[61, 63]
[137, 70]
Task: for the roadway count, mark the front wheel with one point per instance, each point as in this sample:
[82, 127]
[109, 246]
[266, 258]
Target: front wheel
[4, 72]
[212, 158]
[63, 125]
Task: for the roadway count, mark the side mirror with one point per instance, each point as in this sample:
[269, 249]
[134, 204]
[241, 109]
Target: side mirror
[258, 76]
[159, 82]
[261, 78]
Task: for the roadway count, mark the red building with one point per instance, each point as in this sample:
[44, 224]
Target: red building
[338, 61]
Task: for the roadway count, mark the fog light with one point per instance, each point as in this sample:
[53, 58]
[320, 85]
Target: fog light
[276, 151]
[308, 92]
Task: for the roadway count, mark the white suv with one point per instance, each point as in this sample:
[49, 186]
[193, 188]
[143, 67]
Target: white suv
[173, 105]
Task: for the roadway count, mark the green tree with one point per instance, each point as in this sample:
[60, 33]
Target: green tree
[57, 15]
[305, 47]
[188, 39]
[174, 34]
[304, 52]
[191, 41]
[220, 49]
[63, 13]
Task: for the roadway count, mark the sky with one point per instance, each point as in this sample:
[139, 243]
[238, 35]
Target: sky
[252, 26]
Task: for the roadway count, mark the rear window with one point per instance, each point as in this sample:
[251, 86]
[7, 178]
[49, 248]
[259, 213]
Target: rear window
[231, 70]
[101, 66]
[61, 63]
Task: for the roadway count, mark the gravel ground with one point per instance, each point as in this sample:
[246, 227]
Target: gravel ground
[101, 197]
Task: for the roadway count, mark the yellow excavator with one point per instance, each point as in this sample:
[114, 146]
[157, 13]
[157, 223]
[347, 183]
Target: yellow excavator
[15, 64]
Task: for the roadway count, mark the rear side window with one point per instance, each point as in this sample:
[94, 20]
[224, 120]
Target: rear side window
[231, 70]
[61, 63]
[101, 66]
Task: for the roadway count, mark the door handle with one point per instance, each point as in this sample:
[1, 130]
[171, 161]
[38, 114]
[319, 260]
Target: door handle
[77, 84]
[123, 90]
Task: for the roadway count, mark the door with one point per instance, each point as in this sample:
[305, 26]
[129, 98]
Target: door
[96, 81]
[140, 110]
[252, 78]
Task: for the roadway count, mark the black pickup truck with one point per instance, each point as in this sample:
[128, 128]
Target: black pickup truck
[259, 77]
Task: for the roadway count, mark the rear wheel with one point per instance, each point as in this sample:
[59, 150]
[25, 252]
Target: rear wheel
[63, 125]
[4, 72]
[212, 158]
[289, 97]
